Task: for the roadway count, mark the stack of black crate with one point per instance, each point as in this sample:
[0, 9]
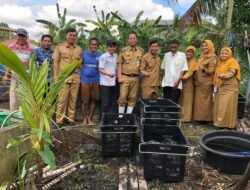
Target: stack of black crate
[118, 134]
[163, 146]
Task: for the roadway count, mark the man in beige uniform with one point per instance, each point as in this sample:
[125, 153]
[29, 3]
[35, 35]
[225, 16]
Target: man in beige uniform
[65, 54]
[129, 61]
[150, 68]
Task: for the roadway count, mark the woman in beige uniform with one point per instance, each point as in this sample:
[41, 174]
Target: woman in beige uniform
[187, 95]
[203, 99]
[227, 82]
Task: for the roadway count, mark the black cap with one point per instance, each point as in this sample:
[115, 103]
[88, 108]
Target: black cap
[21, 31]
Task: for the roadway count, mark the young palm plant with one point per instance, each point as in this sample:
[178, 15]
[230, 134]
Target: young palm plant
[37, 97]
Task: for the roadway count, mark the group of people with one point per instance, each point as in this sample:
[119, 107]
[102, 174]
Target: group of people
[184, 80]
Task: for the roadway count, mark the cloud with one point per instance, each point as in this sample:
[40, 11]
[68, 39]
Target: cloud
[128, 8]
[2, 2]
[25, 16]
[16, 15]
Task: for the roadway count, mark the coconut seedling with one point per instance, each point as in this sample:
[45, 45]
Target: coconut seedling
[37, 97]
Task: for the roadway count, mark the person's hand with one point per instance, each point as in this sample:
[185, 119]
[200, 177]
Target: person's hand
[201, 67]
[111, 75]
[176, 84]
[220, 76]
[120, 80]
[15, 77]
[4, 80]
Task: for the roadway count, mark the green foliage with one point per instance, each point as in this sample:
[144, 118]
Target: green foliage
[59, 32]
[48, 156]
[37, 100]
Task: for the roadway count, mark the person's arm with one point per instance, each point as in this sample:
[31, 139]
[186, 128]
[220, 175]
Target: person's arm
[176, 84]
[209, 70]
[101, 69]
[111, 75]
[230, 74]
[56, 58]
[143, 67]
[120, 62]
[187, 75]
[184, 68]
[5, 77]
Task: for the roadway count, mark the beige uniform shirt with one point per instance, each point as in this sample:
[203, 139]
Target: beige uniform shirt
[66, 55]
[130, 58]
[151, 65]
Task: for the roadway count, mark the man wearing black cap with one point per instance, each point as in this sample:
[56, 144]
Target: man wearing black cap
[23, 51]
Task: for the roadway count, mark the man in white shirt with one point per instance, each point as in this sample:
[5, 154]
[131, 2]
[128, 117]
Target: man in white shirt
[107, 64]
[174, 64]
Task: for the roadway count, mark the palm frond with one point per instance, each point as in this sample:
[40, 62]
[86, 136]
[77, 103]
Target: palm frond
[200, 7]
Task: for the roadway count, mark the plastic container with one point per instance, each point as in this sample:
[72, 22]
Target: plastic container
[118, 134]
[227, 151]
[161, 133]
[165, 161]
[158, 121]
[160, 108]
[3, 115]
[241, 106]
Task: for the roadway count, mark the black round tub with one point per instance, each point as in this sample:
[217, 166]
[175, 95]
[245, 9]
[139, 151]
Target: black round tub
[227, 151]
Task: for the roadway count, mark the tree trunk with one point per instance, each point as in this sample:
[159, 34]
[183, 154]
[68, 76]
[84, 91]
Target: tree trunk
[39, 171]
[229, 21]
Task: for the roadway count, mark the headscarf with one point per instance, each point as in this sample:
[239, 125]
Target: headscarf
[208, 55]
[192, 63]
[211, 50]
[224, 66]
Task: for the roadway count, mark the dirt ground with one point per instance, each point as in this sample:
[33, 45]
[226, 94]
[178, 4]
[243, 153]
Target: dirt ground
[97, 173]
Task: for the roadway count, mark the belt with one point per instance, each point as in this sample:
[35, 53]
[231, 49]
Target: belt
[130, 75]
[90, 65]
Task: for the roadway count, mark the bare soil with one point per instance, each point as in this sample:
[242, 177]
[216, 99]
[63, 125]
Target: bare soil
[99, 173]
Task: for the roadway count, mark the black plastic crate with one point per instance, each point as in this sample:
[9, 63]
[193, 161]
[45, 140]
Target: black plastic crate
[118, 134]
[162, 133]
[160, 108]
[165, 161]
[160, 121]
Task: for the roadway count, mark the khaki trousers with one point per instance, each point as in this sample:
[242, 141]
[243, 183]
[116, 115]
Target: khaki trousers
[128, 91]
[150, 92]
[66, 105]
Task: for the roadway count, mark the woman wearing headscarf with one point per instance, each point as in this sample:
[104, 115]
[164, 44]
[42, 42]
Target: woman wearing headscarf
[187, 95]
[203, 99]
[227, 82]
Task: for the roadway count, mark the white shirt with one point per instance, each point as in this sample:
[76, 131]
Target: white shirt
[108, 63]
[173, 65]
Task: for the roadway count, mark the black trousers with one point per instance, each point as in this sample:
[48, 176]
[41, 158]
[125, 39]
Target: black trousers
[107, 99]
[172, 94]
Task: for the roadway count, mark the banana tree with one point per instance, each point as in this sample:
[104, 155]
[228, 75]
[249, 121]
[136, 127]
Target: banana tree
[38, 100]
[103, 27]
[59, 32]
[145, 29]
